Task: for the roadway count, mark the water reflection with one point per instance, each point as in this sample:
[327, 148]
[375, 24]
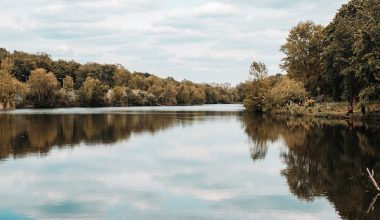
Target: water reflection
[324, 158]
[185, 165]
[22, 134]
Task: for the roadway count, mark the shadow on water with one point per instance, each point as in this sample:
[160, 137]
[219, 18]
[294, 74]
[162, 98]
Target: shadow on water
[324, 158]
[24, 134]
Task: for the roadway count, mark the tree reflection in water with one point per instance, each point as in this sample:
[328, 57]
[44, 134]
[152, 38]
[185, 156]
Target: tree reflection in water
[324, 158]
[21, 135]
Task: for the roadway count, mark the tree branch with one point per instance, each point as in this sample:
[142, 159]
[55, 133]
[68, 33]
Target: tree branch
[370, 175]
[372, 205]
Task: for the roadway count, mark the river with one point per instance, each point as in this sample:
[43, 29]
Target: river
[199, 162]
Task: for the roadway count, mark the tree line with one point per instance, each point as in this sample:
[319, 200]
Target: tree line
[340, 61]
[35, 80]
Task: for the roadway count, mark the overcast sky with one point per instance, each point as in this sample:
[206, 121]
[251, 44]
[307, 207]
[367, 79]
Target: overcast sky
[199, 40]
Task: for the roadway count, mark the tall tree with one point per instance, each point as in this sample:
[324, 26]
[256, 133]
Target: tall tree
[366, 49]
[103, 72]
[62, 68]
[11, 90]
[258, 70]
[68, 84]
[303, 50]
[351, 49]
[3, 54]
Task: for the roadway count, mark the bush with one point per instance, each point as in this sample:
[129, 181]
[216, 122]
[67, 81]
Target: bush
[369, 94]
[310, 103]
[287, 90]
[297, 110]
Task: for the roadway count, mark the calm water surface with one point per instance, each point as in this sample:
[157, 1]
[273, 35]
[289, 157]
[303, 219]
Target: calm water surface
[209, 162]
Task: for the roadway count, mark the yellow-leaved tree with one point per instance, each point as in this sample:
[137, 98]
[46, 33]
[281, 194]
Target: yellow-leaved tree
[43, 88]
[12, 92]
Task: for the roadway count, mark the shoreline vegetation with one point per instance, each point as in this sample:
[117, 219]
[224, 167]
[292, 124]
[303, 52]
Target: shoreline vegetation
[331, 71]
[331, 110]
[36, 81]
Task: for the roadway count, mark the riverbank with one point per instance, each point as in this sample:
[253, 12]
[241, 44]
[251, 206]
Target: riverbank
[333, 110]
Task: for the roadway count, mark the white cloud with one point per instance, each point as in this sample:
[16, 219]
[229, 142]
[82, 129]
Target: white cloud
[216, 9]
[197, 40]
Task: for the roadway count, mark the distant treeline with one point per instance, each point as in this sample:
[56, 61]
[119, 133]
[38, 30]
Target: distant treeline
[338, 62]
[35, 80]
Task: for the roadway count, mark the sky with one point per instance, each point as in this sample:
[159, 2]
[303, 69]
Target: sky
[199, 40]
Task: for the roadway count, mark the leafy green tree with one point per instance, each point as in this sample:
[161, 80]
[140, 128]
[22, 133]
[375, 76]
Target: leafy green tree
[302, 51]
[189, 94]
[198, 95]
[156, 85]
[168, 96]
[117, 96]
[211, 95]
[24, 63]
[258, 70]
[43, 88]
[122, 77]
[94, 92]
[138, 81]
[3, 54]
[351, 49]
[257, 99]
[256, 93]
[103, 72]
[183, 95]
[62, 68]
[337, 52]
[12, 92]
[242, 91]
[68, 84]
[366, 49]
[66, 95]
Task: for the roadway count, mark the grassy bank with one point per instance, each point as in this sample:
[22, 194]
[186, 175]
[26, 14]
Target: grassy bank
[334, 110]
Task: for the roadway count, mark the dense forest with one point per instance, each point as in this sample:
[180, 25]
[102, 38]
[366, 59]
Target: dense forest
[35, 80]
[337, 62]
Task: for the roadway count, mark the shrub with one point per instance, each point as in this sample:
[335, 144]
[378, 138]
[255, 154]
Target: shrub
[287, 90]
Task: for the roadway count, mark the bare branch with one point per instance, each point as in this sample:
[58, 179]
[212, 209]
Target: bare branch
[372, 205]
[370, 175]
